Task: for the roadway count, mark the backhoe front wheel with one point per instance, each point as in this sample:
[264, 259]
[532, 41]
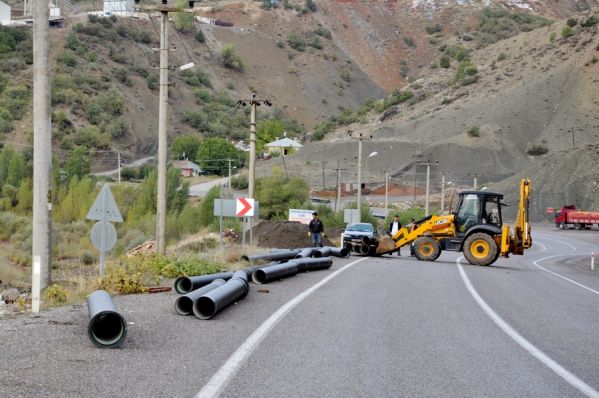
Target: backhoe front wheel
[480, 249]
[426, 249]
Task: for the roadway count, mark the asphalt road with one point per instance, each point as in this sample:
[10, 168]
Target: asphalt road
[203, 188]
[378, 327]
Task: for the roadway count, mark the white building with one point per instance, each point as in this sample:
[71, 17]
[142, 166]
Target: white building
[5, 11]
[118, 7]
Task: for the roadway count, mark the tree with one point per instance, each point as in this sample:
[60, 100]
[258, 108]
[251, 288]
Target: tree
[78, 163]
[183, 21]
[185, 147]
[206, 213]
[276, 192]
[268, 131]
[16, 170]
[230, 59]
[213, 153]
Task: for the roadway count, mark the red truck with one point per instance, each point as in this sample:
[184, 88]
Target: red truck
[570, 217]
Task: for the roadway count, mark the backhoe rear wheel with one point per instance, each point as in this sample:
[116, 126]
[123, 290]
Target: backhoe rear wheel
[480, 249]
[426, 249]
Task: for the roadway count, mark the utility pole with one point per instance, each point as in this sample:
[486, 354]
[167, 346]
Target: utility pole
[254, 103]
[415, 174]
[386, 193]
[229, 182]
[360, 138]
[119, 166]
[42, 156]
[324, 188]
[338, 170]
[428, 180]
[162, 136]
[475, 180]
[442, 192]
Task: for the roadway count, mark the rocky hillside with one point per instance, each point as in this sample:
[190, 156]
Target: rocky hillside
[529, 109]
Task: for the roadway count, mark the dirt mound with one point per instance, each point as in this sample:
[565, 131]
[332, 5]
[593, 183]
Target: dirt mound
[288, 235]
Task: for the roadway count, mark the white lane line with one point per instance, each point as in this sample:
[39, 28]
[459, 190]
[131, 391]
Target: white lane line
[527, 345]
[559, 241]
[536, 263]
[220, 379]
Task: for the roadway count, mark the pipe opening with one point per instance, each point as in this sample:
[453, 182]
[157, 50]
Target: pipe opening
[107, 329]
[245, 258]
[259, 276]
[344, 252]
[184, 305]
[183, 285]
[204, 308]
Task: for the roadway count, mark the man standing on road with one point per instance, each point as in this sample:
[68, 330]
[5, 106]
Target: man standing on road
[394, 227]
[315, 229]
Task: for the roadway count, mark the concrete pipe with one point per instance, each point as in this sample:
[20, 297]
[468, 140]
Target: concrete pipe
[313, 264]
[371, 250]
[272, 256]
[364, 249]
[322, 252]
[357, 249]
[218, 299]
[107, 328]
[273, 272]
[186, 284]
[366, 240]
[184, 304]
[306, 252]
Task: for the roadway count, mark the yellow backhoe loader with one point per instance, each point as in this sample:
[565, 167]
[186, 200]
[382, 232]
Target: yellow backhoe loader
[476, 229]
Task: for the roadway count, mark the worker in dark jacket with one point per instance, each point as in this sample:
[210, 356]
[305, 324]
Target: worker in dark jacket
[315, 229]
[394, 227]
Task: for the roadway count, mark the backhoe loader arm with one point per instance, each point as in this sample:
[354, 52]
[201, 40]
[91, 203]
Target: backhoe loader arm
[439, 226]
[521, 239]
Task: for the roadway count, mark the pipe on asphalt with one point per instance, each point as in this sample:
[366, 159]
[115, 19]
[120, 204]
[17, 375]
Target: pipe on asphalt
[342, 252]
[364, 249]
[186, 284]
[184, 304]
[322, 252]
[366, 240]
[357, 249]
[272, 256]
[313, 264]
[306, 252]
[371, 250]
[273, 272]
[107, 328]
[218, 299]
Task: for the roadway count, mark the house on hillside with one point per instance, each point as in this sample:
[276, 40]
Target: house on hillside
[187, 167]
[118, 7]
[5, 16]
[283, 146]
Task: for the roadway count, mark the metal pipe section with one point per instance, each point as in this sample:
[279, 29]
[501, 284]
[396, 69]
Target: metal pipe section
[306, 252]
[273, 256]
[216, 300]
[313, 264]
[184, 304]
[322, 252]
[107, 328]
[276, 271]
[186, 284]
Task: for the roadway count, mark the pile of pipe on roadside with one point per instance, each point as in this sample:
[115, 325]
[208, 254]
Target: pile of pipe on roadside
[367, 247]
[206, 295]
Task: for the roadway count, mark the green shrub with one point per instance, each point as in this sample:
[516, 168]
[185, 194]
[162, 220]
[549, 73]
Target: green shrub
[567, 32]
[296, 42]
[196, 78]
[199, 36]
[445, 62]
[457, 52]
[67, 58]
[122, 75]
[345, 74]
[87, 257]
[229, 59]
[432, 29]
[465, 74]
[315, 42]
[239, 182]
[143, 72]
[117, 128]
[409, 41]
[474, 132]
[501, 57]
[571, 22]
[152, 81]
[56, 294]
[324, 32]
[310, 6]
[590, 21]
[537, 150]
[552, 36]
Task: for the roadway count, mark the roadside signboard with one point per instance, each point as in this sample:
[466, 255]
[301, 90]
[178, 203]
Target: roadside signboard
[350, 215]
[245, 207]
[300, 215]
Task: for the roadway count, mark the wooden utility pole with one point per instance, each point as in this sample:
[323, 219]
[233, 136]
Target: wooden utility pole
[442, 192]
[338, 170]
[324, 188]
[386, 193]
[42, 156]
[428, 180]
[360, 138]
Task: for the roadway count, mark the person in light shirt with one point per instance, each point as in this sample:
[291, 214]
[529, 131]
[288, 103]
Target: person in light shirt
[394, 227]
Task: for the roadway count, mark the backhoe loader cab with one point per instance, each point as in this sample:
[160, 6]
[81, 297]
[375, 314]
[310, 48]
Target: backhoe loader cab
[478, 208]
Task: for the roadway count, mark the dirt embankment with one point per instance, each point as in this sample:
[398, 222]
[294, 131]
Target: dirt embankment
[289, 235]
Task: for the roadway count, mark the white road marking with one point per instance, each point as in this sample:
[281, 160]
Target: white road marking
[220, 379]
[559, 241]
[528, 346]
[536, 264]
